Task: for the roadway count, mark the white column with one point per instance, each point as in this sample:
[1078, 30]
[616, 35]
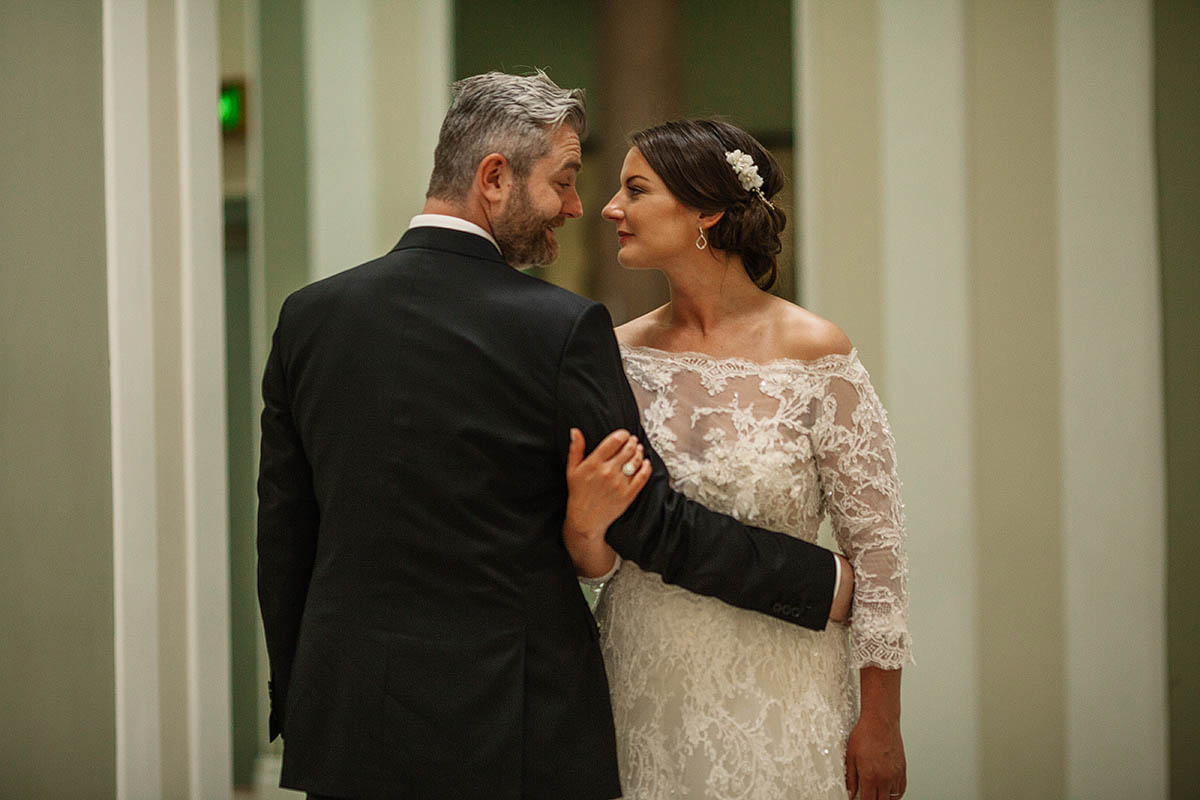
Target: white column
[131, 370]
[342, 159]
[204, 435]
[1113, 482]
[839, 226]
[378, 83]
[926, 339]
[412, 54]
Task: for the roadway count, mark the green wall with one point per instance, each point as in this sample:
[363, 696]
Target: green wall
[57, 700]
[518, 35]
[737, 60]
[1177, 140]
[737, 63]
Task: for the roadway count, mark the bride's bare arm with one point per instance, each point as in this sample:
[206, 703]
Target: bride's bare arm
[875, 761]
[601, 486]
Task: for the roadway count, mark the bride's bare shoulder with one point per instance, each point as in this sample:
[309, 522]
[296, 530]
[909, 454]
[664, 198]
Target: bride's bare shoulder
[806, 336]
[640, 331]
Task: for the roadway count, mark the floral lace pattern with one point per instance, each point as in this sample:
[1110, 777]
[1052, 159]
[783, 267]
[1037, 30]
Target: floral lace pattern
[712, 701]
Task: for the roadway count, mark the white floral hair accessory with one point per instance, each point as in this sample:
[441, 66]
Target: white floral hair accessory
[747, 173]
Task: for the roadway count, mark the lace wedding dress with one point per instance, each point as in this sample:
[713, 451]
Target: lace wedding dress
[711, 701]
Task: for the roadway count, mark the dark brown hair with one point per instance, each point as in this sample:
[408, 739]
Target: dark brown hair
[689, 156]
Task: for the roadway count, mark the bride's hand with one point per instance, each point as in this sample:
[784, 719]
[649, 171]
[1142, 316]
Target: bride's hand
[602, 485]
[599, 492]
[875, 763]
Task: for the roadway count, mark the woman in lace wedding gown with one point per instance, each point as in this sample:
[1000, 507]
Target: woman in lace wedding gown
[763, 411]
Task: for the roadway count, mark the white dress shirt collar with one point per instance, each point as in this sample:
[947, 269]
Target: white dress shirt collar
[454, 224]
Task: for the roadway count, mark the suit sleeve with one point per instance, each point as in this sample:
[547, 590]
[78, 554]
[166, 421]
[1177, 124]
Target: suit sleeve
[287, 530]
[662, 531]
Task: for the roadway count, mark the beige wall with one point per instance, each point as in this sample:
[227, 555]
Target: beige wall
[925, 369]
[1017, 470]
[839, 222]
[979, 216]
[169, 476]
[56, 611]
[1110, 346]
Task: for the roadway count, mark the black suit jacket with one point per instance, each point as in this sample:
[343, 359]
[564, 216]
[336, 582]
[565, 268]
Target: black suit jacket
[426, 634]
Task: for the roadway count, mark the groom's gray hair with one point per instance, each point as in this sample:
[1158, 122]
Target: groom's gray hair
[513, 115]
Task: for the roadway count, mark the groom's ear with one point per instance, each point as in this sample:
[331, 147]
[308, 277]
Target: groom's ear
[493, 178]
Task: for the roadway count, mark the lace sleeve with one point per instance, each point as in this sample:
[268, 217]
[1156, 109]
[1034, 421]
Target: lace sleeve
[861, 491]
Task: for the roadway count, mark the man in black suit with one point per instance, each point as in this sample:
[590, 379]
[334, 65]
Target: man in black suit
[426, 632]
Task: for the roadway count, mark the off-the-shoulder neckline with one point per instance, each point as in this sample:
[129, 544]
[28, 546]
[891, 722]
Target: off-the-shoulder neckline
[807, 363]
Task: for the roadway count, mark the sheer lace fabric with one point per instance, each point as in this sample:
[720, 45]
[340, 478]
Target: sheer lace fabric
[711, 701]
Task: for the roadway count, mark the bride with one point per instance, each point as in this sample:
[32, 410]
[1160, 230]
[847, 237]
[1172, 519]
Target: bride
[761, 410]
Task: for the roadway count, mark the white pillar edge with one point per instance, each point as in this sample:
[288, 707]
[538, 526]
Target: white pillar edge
[205, 460]
[927, 365]
[131, 375]
[343, 153]
[412, 67]
[1114, 507]
[437, 26]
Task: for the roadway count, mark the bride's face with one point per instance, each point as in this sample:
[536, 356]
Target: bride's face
[653, 227]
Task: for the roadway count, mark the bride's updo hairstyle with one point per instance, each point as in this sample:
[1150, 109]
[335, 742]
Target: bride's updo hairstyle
[690, 157]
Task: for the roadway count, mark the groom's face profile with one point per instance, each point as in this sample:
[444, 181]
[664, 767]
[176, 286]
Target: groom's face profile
[541, 203]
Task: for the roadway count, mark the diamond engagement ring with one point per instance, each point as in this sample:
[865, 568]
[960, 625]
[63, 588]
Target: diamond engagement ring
[628, 469]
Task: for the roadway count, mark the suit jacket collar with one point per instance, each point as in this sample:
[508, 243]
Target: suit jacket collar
[450, 241]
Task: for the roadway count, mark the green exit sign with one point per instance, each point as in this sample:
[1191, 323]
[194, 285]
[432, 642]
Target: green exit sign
[232, 108]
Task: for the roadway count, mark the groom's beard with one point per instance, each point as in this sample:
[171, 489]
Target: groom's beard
[523, 234]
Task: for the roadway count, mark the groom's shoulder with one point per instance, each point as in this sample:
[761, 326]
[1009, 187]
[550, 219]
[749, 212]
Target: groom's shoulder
[494, 291]
[539, 298]
[358, 279]
[557, 299]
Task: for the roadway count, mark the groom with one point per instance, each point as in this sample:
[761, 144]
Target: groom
[426, 633]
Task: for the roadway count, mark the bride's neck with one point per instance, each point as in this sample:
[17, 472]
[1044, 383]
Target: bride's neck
[709, 292]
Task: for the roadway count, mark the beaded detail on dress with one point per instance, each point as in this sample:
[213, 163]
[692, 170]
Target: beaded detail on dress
[714, 701]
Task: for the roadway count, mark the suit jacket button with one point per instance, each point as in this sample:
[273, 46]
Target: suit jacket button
[777, 608]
